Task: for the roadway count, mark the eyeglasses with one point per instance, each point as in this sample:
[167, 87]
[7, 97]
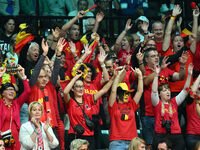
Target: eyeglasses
[79, 87]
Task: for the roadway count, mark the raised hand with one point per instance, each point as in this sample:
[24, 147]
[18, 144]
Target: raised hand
[87, 49]
[95, 36]
[99, 16]
[102, 56]
[45, 47]
[137, 71]
[164, 63]
[61, 43]
[184, 57]
[196, 12]
[21, 71]
[128, 25]
[81, 14]
[72, 47]
[140, 55]
[56, 33]
[2, 71]
[145, 26]
[176, 11]
[179, 22]
[46, 125]
[190, 68]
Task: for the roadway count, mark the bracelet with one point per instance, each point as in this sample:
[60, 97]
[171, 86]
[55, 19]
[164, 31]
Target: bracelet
[58, 56]
[55, 40]
[103, 65]
[173, 18]
[53, 58]
[24, 77]
[36, 131]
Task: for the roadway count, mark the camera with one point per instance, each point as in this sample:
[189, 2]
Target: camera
[167, 125]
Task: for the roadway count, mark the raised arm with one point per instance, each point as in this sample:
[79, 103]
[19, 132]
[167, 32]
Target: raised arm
[69, 24]
[56, 68]
[103, 90]
[140, 57]
[139, 92]
[194, 31]
[69, 87]
[154, 90]
[167, 38]
[99, 18]
[182, 95]
[117, 45]
[38, 66]
[113, 93]
[101, 59]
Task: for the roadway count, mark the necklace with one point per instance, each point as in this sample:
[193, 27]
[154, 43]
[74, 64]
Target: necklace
[7, 105]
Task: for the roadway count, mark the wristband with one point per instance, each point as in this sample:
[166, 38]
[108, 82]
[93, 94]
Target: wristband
[173, 18]
[103, 65]
[24, 77]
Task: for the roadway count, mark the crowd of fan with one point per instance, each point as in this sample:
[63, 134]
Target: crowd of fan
[74, 87]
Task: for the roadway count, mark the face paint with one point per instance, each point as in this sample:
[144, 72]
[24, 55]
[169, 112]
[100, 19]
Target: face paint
[126, 96]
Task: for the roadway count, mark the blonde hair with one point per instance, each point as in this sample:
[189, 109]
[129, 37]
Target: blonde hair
[135, 143]
[33, 104]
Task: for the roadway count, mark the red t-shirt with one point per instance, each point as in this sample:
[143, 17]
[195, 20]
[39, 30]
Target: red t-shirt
[196, 60]
[175, 127]
[165, 73]
[193, 120]
[159, 47]
[69, 56]
[92, 89]
[123, 54]
[123, 129]
[76, 115]
[177, 86]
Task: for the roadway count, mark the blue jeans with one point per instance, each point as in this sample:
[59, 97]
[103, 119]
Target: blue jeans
[24, 113]
[119, 145]
[191, 139]
[148, 129]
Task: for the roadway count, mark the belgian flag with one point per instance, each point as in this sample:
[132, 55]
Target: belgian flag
[23, 37]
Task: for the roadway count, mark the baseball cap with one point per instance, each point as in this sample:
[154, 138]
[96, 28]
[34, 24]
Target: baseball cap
[124, 87]
[142, 18]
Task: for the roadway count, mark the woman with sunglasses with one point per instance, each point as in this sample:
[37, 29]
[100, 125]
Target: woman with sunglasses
[122, 109]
